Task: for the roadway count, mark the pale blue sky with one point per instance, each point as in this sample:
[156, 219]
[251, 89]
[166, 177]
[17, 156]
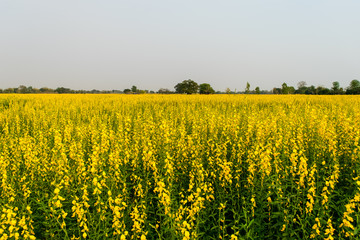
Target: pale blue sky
[153, 44]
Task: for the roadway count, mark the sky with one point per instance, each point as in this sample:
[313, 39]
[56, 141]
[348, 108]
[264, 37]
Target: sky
[115, 44]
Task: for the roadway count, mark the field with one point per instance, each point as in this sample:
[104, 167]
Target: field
[179, 167]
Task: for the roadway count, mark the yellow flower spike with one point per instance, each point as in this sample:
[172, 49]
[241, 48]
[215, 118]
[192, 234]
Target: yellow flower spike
[283, 228]
[233, 237]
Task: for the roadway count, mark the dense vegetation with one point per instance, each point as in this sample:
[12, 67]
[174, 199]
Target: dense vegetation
[179, 167]
[190, 87]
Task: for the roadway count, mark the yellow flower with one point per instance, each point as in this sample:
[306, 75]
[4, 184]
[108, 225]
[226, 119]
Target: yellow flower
[16, 235]
[283, 228]
[57, 190]
[233, 237]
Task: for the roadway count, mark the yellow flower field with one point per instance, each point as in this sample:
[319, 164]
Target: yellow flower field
[179, 167]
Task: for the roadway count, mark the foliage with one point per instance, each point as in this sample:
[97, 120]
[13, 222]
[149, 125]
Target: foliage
[134, 89]
[205, 88]
[63, 90]
[164, 91]
[336, 86]
[247, 89]
[187, 86]
[354, 87]
[284, 88]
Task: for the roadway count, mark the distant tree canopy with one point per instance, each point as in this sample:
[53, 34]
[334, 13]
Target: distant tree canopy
[164, 91]
[354, 87]
[247, 89]
[276, 91]
[187, 86]
[46, 90]
[63, 90]
[285, 89]
[134, 89]
[336, 86]
[205, 88]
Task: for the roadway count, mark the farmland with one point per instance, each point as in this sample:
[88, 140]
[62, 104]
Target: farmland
[179, 167]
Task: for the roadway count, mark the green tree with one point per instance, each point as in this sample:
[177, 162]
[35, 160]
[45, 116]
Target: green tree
[63, 90]
[354, 87]
[257, 90]
[134, 89]
[247, 89]
[336, 86]
[46, 90]
[164, 91]
[284, 88]
[22, 89]
[9, 90]
[336, 89]
[187, 86]
[301, 84]
[301, 87]
[321, 90]
[354, 84]
[291, 90]
[276, 91]
[205, 88]
[310, 90]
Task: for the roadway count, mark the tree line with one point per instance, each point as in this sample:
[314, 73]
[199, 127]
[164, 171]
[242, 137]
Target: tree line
[191, 87]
